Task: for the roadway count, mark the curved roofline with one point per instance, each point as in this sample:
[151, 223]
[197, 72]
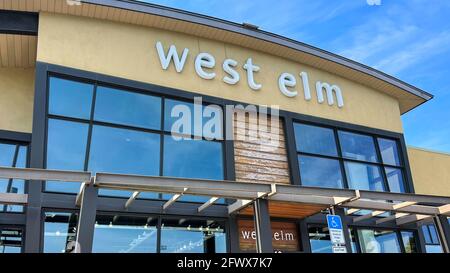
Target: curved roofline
[214, 22]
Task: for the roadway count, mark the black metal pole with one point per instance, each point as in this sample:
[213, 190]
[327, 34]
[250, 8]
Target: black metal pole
[262, 226]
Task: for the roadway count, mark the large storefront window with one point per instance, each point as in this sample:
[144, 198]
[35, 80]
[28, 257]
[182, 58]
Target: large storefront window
[365, 240]
[332, 158]
[386, 241]
[378, 241]
[60, 232]
[12, 155]
[120, 233]
[192, 236]
[319, 239]
[10, 240]
[102, 129]
[125, 234]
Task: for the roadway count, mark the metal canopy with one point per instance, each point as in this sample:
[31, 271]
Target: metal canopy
[405, 208]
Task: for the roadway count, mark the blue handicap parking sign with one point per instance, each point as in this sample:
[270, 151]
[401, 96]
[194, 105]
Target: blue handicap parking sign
[334, 221]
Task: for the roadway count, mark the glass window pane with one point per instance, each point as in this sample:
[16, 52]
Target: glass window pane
[66, 150]
[356, 146]
[124, 234]
[10, 240]
[426, 234]
[409, 241]
[389, 151]
[319, 239]
[364, 176]
[60, 232]
[70, 98]
[15, 185]
[193, 159]
[316, 140]
[433, 234]
[320, 172]
[7, 154]
[124, 151]
[176, 111]
[127, 108]
[395, 179]
[433, 249]
[378, 241]
[192, 236]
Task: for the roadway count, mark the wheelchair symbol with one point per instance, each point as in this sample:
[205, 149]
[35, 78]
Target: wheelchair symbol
[334, 223]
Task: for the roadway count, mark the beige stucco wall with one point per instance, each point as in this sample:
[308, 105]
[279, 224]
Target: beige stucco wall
[16, 99]
[430, 171]
[128, 51]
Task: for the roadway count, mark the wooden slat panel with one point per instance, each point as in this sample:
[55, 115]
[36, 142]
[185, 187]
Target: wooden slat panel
[262, 158]
[260, 162]
[260, 155]
[248, 174]
[274, 148]
[262, 169]
[285, 236]
[287, 210]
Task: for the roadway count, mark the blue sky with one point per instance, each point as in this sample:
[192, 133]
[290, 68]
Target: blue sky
[409, 39]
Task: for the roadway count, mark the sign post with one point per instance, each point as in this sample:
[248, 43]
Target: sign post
[336, 233]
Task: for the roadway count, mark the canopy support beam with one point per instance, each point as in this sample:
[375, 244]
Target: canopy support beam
[207, 204]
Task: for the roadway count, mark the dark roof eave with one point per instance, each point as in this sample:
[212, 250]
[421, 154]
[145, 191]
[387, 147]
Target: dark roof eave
[262, 35]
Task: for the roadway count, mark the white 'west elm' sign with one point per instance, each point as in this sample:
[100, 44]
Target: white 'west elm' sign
[287, 82]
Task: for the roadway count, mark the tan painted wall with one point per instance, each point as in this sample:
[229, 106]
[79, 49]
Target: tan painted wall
[128, 51]
[16, 99]
[430, 171]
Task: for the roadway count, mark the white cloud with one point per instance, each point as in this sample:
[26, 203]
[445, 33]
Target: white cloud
[415, 53]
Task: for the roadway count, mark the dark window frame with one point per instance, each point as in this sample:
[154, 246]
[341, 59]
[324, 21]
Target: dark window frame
[162, 132]
[374, 136]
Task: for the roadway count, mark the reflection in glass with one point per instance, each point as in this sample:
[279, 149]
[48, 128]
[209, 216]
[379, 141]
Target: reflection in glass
[315, 140]
[125, 234]
[10, 240]
[193, 159]
[389, 151]
[378, 241]
[66, 150]
[409, 241]
[188, 108]
[432, 243]
[60, 232]
[357, 146]
[192, 236]
[127, 108]
[319, 239]
[124, 151]
[69, 98]
[320, 172]
[364, 176]
[12, 155]
[395, 180]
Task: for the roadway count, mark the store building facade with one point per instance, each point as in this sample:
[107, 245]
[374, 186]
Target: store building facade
[282, 134]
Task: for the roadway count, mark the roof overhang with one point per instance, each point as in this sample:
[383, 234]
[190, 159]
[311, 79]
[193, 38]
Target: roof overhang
[151, 15]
